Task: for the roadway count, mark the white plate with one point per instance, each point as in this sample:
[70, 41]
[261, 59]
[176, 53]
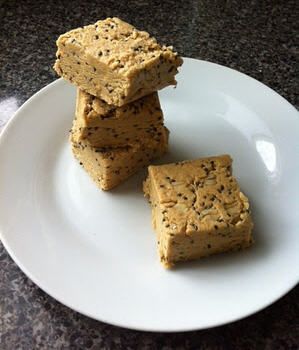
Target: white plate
[95, 251]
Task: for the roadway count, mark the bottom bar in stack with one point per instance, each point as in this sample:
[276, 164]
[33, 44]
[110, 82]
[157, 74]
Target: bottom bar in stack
[109, 167]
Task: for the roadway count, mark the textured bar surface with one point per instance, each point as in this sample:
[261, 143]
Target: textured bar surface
[197, 209]
[114, 61]
[104, 125]
[109, 167]
[266, 51]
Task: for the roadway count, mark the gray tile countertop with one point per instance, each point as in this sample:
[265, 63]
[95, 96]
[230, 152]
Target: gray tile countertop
[259, 38]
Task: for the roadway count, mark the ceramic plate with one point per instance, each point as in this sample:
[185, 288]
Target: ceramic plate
[95, 251]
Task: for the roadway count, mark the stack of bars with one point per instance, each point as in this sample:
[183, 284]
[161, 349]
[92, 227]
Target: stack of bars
[118, 126]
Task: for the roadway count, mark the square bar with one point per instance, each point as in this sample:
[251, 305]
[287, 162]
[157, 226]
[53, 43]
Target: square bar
[197, 209]
[109, 167]
[115, 62]
[103, 125]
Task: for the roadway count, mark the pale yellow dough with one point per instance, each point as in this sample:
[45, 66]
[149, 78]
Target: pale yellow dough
[103, 125]
[197, 209]
[115, 62]
[109, 167]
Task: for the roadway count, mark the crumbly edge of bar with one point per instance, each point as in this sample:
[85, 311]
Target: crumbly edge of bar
[119, 90]
[117, 44]
[92, 111]
[132, 75]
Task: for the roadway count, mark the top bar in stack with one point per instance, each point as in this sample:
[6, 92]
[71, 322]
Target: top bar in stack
[115, 62]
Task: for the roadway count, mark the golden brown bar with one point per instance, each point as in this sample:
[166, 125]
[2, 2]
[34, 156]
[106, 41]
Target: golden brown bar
[104, 125]
[115, 62]
[109, 167]
[197, 209]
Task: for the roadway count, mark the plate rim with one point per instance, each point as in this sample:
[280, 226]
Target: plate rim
[6, 130]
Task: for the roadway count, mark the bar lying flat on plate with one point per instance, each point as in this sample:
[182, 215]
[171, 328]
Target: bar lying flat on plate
[115, 62]
[197, 209]
[103, 125]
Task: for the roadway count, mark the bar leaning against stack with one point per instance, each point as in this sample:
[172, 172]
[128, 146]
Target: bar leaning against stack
[118, 70]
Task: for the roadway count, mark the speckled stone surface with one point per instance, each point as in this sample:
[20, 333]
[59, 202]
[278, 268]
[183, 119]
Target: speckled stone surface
[259, 38]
